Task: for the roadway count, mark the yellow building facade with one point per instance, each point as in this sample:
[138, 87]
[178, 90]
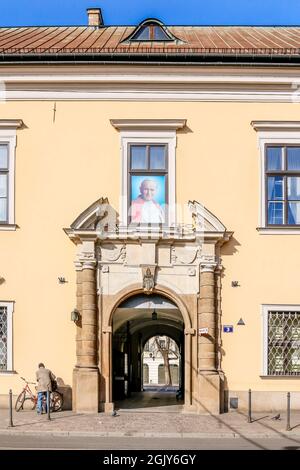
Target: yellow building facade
[77, 140]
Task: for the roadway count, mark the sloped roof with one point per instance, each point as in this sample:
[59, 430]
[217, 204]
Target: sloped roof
[191, 40]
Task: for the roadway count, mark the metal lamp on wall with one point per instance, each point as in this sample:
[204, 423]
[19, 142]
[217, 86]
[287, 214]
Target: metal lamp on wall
[75, 315]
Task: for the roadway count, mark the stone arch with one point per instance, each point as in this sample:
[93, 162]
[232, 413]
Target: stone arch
[130, 291]
[134, 289]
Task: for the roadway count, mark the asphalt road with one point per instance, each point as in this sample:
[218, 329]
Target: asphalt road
[129, 443]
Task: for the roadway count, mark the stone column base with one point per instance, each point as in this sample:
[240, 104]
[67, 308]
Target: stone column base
[109, 407]
[189, 409]
[86, 390]
[74, 388]
[209, 393]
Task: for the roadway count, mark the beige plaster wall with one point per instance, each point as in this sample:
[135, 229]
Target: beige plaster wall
[64, 166]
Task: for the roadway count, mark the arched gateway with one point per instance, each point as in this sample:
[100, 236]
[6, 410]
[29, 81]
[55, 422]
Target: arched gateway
[122, 274]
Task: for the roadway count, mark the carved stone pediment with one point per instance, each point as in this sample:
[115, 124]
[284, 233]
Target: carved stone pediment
[99, 216]
[203, 219]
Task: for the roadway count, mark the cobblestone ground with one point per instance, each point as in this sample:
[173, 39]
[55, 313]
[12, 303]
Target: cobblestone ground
[231, 424]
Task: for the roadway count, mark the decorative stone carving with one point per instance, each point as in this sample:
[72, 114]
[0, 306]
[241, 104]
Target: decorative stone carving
[208, 259]
[203, 219]
[184, 255]
[112, 253]
[173, 255]
[192, 271]
[148, 278]
[208, 267]
[148, 282]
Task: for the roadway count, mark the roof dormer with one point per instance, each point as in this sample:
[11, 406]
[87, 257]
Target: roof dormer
[151, 30]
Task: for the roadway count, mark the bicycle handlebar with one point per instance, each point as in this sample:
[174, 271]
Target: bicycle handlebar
[31, 383]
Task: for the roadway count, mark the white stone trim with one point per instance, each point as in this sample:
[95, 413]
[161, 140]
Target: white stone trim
[276, 126]
[10, 310]
[150, 83]
[148, 124]
[278, 231]
[264, 313]
[165, 136]
[273, 132]
[8, 135]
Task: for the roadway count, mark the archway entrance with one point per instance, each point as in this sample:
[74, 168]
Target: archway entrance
[143, 327]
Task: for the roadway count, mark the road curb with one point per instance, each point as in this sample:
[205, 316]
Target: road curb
[174, 435]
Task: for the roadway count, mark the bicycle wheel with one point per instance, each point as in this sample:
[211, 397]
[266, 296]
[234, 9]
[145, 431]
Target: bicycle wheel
[56, 401]
[20, 401]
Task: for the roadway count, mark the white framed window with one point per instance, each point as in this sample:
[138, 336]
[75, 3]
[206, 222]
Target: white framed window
[281, 340]
[6, 336]
[279, 147]
[8, 141]
[148, 162]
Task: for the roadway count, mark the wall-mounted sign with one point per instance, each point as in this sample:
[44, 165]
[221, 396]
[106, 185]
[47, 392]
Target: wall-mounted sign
[227, 328]
[203, 331]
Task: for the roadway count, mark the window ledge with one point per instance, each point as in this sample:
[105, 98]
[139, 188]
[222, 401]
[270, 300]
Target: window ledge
[278, 231]
[282, 377]
[8, 227]
[8, 372]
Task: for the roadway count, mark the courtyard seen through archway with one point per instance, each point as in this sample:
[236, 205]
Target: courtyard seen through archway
[148, 354]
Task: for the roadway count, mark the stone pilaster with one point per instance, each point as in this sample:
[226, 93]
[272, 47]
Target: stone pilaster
[78, 267]
[88, 353]
[107, 368]
[209, 379]
[87, 375]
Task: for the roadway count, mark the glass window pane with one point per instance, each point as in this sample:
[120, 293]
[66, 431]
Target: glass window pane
[294, 213]
[159, 34]
[143, 34]
[3, 156]
[274, 158]
[275, 188]
[138, 157]
[3, 185]
[3, 209]
[294, 188]
[157, 157]
[293, 158]
[275, 213]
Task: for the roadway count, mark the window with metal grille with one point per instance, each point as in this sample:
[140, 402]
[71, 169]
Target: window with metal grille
[283, 343]
[3, 338]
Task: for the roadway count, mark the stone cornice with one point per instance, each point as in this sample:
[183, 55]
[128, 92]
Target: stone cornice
[77, 236]
[148, 124]
[11, 123]
[276, 126]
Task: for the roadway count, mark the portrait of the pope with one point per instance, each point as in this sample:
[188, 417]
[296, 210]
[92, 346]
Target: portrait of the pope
[145, 208]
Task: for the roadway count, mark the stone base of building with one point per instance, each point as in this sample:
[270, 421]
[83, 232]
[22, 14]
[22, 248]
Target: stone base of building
[261, 401]
[109, 407]
[209, 401]
[86, 390]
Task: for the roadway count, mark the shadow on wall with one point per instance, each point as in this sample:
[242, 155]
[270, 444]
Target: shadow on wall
[66, 391]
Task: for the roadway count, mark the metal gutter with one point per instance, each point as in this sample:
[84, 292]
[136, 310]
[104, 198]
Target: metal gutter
[152, 58]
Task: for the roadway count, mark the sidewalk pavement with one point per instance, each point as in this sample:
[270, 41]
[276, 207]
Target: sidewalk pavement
[151, 424]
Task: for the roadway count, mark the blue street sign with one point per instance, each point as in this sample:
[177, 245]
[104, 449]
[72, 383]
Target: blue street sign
[228, 328]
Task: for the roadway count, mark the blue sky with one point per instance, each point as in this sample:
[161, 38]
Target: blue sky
[73, 12]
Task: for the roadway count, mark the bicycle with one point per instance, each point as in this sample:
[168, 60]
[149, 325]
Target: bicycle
[56, 398]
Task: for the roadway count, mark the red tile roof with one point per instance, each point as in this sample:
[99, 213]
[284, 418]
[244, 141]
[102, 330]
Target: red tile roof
[191, 40]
